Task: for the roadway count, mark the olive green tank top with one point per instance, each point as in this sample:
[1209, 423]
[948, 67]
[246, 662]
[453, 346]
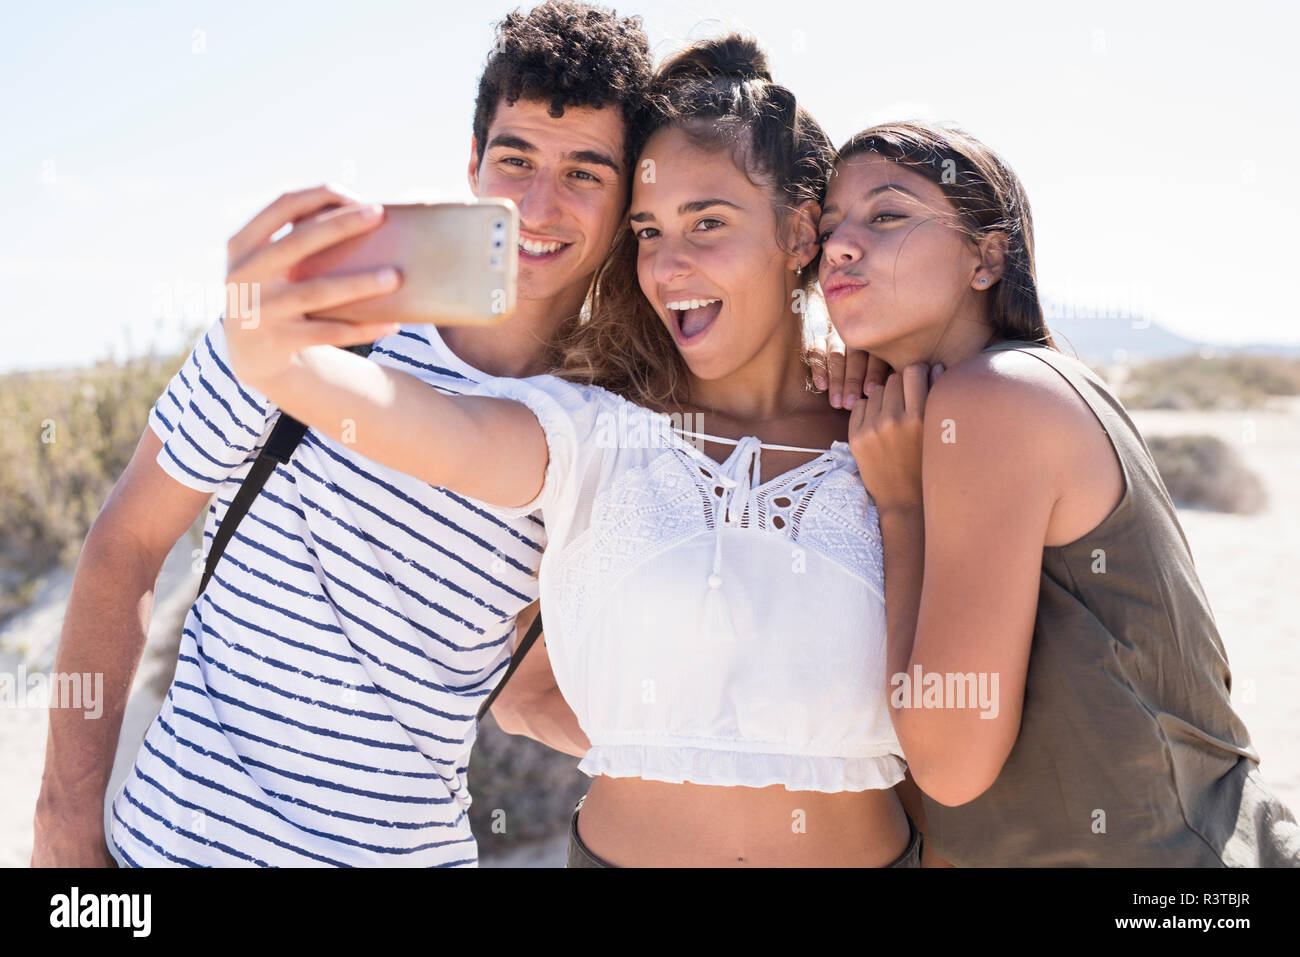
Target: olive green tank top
[1129, 752]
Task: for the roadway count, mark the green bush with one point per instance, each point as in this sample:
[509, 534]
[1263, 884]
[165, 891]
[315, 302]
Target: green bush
[1223, 382]
[66, 437]
[1202, 471]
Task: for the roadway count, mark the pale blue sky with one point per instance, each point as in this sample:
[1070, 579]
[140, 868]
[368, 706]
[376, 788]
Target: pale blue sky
[1157, 142]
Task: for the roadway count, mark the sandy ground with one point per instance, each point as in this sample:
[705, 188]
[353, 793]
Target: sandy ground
[1247, 565]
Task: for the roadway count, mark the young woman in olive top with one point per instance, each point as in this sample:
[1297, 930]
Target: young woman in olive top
[1058, 684]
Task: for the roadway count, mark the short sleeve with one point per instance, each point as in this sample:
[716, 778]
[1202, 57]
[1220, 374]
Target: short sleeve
[209, 423]
[569, 415]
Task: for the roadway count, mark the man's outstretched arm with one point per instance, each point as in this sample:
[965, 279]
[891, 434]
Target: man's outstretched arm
[104, 632]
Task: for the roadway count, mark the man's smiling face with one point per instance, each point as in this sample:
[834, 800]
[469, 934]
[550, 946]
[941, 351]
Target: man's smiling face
[566, 176]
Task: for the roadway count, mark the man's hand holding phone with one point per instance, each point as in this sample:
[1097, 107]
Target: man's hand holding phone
[349, 273]
[266, 320]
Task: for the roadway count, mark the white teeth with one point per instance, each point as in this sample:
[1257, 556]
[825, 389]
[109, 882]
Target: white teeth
[538, 249]
[690, 304]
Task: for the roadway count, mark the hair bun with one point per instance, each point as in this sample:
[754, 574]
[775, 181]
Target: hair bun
[734, 55]
[741, 56]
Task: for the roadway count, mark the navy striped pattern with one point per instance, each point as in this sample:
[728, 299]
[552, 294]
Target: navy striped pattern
[323, 708]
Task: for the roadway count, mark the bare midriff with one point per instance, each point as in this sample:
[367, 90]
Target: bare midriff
[632, 822]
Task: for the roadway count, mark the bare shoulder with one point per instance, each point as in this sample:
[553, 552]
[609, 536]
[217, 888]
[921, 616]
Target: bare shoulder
[1011, 413]
[1009, 374]
[1007, 412]
[1016, 393]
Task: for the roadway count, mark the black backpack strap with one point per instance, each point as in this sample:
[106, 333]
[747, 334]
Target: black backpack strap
[284, 438]
[534, 630]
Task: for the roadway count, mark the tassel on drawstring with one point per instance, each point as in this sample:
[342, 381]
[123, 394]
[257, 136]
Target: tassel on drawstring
[717, 614]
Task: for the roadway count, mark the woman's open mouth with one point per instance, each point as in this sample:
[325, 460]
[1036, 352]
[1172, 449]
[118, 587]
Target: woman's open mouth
[693, 316]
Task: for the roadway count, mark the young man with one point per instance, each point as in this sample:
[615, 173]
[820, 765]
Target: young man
[323, 709]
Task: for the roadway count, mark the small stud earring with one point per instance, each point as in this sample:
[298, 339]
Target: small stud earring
[984, 280]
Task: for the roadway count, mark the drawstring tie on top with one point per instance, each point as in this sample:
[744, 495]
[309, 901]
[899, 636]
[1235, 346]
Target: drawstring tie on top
[736, 489]
[737, 484]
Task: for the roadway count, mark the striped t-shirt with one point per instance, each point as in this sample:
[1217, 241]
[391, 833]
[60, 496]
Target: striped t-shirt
[323, 708]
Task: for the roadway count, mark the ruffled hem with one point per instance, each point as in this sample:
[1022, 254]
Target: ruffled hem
[798, 772]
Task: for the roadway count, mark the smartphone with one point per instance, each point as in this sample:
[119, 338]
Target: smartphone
[459, 264]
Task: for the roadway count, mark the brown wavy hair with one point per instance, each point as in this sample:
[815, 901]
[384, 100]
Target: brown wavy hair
[987, 196]
[720, 93]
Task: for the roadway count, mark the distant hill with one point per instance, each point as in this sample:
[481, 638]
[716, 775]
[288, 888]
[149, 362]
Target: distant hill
[1101, 337]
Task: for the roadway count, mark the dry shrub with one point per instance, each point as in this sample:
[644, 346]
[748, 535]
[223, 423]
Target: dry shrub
[1223, 382]
[66, 437]
[1202, 471]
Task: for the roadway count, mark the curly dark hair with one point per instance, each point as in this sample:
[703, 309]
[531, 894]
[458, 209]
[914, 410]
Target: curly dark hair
[572, 54]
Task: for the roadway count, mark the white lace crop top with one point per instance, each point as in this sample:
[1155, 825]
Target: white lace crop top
[704, 628]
